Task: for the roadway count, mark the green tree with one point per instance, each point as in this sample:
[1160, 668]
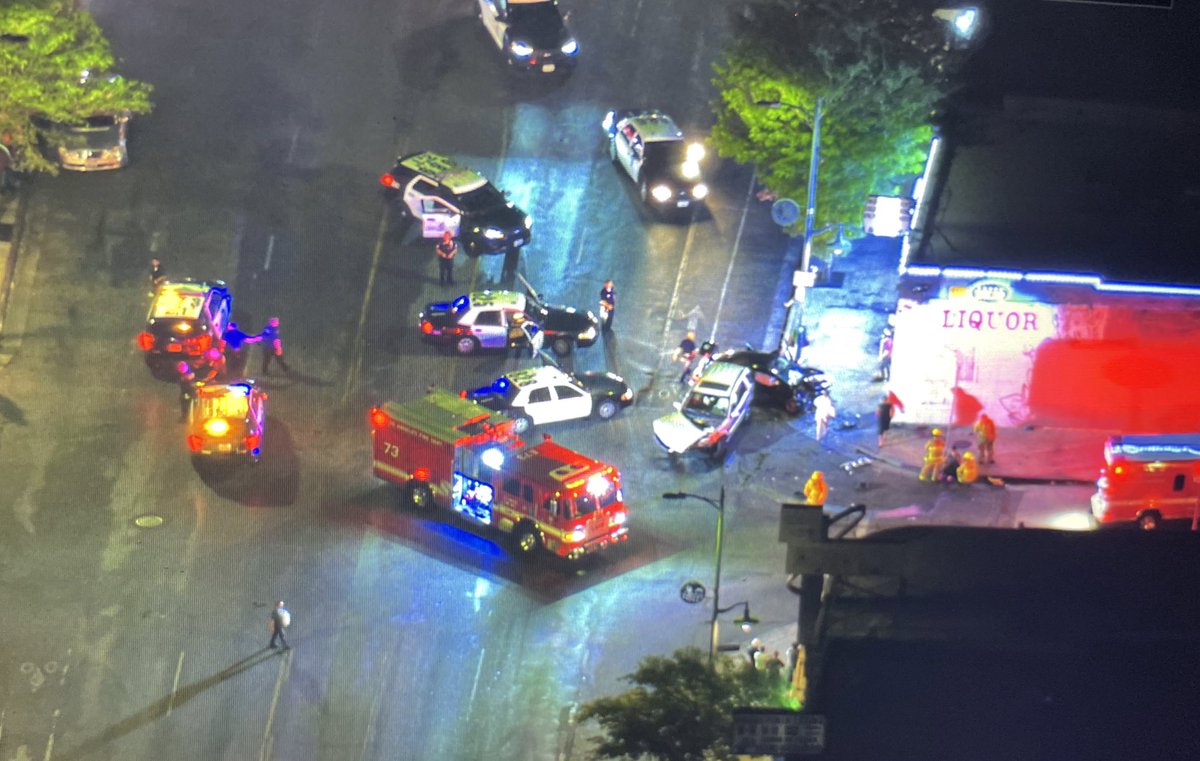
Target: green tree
[681, 708]
[882, 67]
[56, 64]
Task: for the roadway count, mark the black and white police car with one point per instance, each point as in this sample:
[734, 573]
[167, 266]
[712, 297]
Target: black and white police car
[710, 412]
[541, 395]
[654, 153]
[447, 196]
[532, 34]
[493, 320]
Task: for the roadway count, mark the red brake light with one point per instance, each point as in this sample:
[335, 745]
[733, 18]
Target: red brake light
[252, 441]
[379, 418]
[427, 327]
[389, 181]
[421, 474]
[194, 443]
[203, 343]
[145, 341]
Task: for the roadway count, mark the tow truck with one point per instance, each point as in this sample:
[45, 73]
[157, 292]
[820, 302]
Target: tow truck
[444, 451]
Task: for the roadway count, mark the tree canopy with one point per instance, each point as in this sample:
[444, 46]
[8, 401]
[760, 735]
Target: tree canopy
[56, 65]
[881, 68]
[680, 708]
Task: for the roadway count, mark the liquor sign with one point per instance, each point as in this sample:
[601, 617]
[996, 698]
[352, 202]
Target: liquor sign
[777, 732]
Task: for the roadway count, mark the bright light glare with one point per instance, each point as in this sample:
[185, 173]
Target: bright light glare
[1072, 521]
[965, 22]
[570, 48]
[521, 49]
[661, 193]
[700, 191]
[695, 152]
[493, 458]
[493, 234]
[216, 427]
[598, 485]
[691, 170]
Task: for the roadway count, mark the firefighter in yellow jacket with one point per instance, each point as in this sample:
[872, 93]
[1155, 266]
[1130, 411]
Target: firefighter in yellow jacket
[935, 453]
[968, 469]
[816, 490]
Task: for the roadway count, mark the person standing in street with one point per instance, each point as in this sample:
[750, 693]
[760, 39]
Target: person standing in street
[883, 418]
[187, 389]
[823, 414]
[446, 248]
[608, 304]
[235, 342]
[755, 651]
[816, 491]
[686, 354]
[885, 357]
[272, 346]
[158, 275]
[280, 620]
[985, 437]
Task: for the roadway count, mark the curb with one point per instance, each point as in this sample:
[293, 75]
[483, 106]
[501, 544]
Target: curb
[12, 219]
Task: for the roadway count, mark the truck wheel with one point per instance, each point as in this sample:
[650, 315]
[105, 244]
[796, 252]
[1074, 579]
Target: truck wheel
[521, 424]
[1149, 520]
[466, 345]
[418, 496]
[606, 409]
[562, 346]
[526, 540]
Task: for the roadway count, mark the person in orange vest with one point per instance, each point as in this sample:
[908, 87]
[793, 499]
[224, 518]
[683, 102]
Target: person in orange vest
[816, 490]
[968, 469]
[935, 453]
[985, 437]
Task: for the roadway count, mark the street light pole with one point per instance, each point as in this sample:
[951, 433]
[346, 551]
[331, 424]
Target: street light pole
[713, 635]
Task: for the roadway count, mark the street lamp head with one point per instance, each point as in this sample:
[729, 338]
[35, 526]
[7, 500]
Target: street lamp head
[747, 621]
[674, 495]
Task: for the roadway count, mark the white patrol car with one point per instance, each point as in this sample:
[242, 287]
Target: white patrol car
[710, 413]
[498, 319]
[548, 395]
[447, 196]
[532, 34]
[654, 153]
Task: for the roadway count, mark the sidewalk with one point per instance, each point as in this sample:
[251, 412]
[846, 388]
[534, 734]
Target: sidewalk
[10, 235]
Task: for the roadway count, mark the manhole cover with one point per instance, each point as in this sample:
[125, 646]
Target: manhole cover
[148, 521]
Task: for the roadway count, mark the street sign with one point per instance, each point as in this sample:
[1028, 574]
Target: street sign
[785, 211]
[777, 732]
[692, 592]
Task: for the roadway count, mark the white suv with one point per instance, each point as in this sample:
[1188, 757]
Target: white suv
[710, 412]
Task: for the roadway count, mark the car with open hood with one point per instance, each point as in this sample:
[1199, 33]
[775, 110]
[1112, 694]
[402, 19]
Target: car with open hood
[778, 381]
[711, 412]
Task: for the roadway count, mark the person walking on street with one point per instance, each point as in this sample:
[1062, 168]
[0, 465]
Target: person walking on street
[885, 357]
[935, 452]
[235, 342]
[280, 620]
[608, 304]
[446, 248]
[985, 437]
[187, 389]
[158, 276]
[685, 353]
[272, 346]
[823, 414]
[883, 418]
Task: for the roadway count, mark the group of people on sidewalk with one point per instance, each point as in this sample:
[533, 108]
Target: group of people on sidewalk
[955, 466]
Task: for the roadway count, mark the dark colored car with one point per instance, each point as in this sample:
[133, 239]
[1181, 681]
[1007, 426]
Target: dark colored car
[445, 196]
[532, 34]
[186, 322]
[491, 319]
[779, 381]
[652, 150]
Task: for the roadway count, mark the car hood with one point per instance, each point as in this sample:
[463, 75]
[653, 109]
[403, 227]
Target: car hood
[563, 319]
[538, 24]
[602, 383]
[677, 433]
[506, 217]
[439, 313]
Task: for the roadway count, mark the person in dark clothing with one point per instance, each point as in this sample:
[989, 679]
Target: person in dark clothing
[281, 619]
[685, 353]
[158, 275]
[235, 343]
[272, 346]
[445, 250]
[883, 417]
[608, 304]
[950, 467]
[187, 389]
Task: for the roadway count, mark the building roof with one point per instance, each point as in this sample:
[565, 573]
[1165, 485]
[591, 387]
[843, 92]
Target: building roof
[1072, 147]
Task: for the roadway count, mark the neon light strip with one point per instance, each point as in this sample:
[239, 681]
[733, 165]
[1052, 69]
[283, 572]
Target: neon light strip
[1053, 278]
[919, 189]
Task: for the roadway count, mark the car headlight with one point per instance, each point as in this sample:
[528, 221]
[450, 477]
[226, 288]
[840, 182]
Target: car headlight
[627, 395]
[493, 234]
[690, 170]
[695, 152]
[661, 193]
[528, 222]
[609, 119]
[570, 47]
[520, 49]
[578, 534]
[700, 191]
[588, 334]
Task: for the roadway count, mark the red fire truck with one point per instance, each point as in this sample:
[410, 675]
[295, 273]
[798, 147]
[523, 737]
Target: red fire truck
[451, 452]
[1148, 479]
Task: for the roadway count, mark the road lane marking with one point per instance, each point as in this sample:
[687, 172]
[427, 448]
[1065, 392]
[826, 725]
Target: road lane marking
[737, 241]
[175, 684]
[268, 741]
[50, 739]
[376, 699]
[292, 148]
[671, 307]
[475, 683]
[356, 356]
[270, 250]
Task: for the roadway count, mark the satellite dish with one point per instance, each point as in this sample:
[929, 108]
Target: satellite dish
[785, 212]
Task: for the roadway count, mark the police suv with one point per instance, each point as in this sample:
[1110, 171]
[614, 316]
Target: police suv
[227, 420]
[710, 412]
[447, 196]
[186, 322]
[532, 34]
[651, 149]
[548, 395]
[493, 320]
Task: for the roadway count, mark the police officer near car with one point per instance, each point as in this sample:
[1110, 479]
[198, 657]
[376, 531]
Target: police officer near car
[187, 389]
[446, 248]
[608, 304]
[158, 275]
[235, 341]
[686, 353]
[272, 346]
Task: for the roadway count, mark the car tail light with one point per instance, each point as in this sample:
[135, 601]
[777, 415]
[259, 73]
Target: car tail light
[252, 441]
[194, 443]
[389, 181]
[145, 341]
[421, 474]
[379, 418]
[203, 343]
[427, 327]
